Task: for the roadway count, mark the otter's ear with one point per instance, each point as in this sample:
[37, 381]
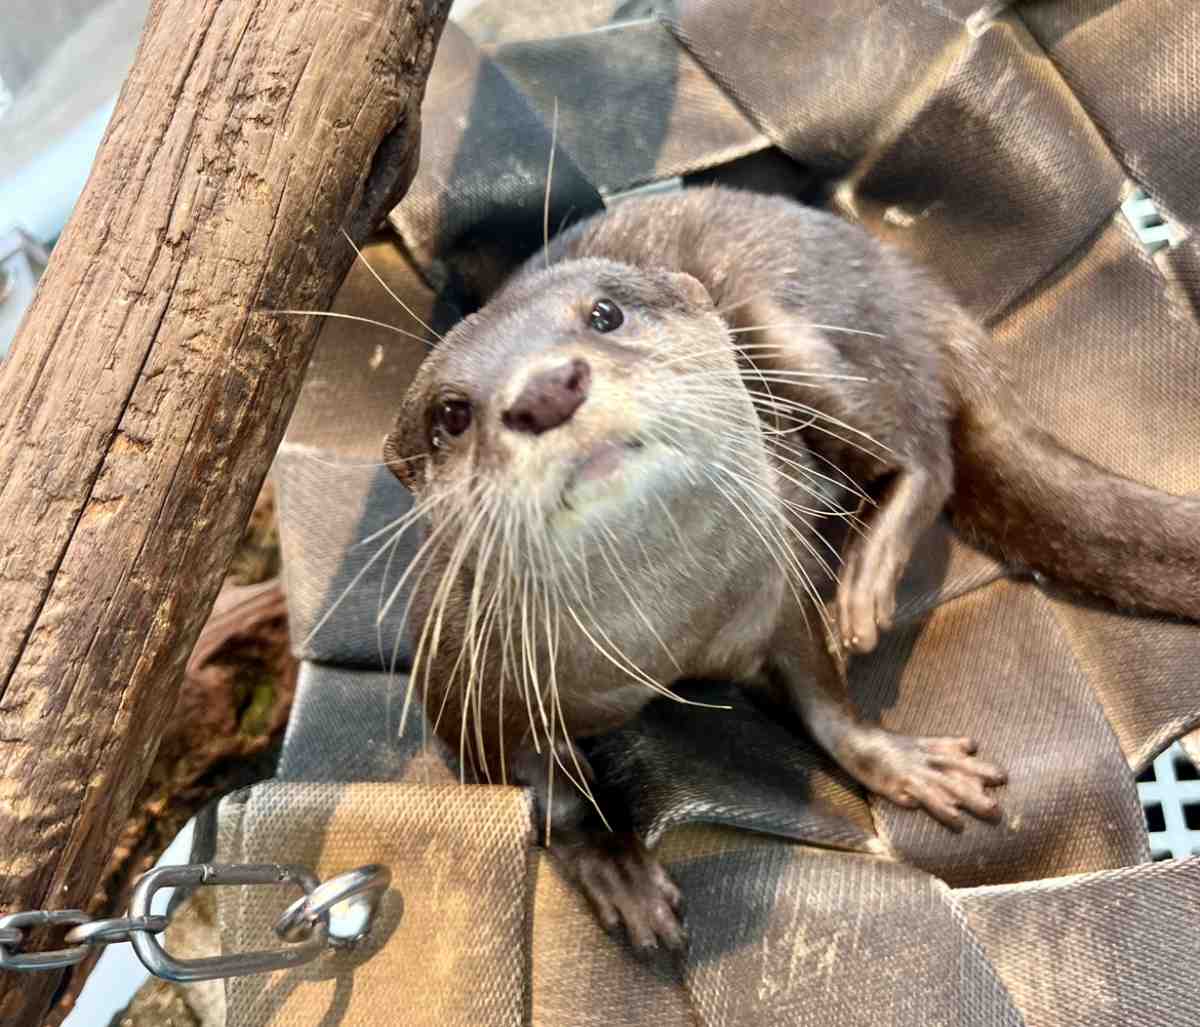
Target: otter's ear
[691, 288]
[405, 467]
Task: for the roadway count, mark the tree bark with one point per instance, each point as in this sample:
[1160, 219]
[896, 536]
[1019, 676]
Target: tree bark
[146, 392]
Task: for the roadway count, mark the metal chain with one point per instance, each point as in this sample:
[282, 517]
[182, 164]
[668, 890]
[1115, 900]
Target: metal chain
[338, 913]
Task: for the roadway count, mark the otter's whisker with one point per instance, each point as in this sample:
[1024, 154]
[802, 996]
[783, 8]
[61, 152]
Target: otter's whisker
[549, 179]
[489, 635]
[831, 508]
[745, 348]
[480, 638]
[375, 274]
[347, 317]
[817, 423]
[466, 685]
[780, 551]
[807, 324]
[418, 511]
[424, 559]
[851, 484]
[508, 660]
[429, 644]
[474, 641]
[581, 781]
[619, 577]
[682, 544]
[438, 533]
[788, 563]
[367, 565]
[536, 532]
[787, 524]
[631, 669]
[846, 485]
[387, 569]
[340, 465]
[766, 498]
[529, 662]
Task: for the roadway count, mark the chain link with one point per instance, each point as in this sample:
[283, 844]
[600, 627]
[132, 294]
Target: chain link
[114, 929]
[354, 894]
[337, 913]
[12, 959]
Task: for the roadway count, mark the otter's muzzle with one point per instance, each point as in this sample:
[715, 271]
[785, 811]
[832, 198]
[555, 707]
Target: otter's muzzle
[549, 398]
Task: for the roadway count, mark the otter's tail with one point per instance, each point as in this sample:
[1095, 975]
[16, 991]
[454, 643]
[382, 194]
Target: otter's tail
[1021, 494]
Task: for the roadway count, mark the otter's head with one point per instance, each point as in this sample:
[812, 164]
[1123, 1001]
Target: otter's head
[581, 398]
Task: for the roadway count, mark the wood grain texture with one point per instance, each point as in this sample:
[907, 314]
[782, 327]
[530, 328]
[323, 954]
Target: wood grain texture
[146, 392]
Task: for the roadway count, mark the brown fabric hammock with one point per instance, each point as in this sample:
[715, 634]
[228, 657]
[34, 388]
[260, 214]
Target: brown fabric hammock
[995, 142]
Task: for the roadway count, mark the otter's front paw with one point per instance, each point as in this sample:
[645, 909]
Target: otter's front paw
[626, 887]
[866, 594]
[941, 775]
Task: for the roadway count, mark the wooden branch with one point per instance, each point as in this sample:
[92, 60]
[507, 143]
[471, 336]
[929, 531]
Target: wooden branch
[146, 393]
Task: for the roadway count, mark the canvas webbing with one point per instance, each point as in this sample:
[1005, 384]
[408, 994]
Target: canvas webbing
[996, 142]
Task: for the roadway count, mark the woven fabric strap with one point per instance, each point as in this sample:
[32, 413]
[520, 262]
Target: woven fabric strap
[996, 143]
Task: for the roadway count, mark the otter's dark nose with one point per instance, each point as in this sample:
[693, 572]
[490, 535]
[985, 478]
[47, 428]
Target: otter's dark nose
[550, 398]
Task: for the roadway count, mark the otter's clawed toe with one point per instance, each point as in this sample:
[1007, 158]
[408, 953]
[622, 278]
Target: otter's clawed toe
[941, 775]
[627, 887]
[866, 595]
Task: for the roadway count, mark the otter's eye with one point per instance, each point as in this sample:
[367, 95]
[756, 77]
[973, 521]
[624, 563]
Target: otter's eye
[453, 416]
[606, 316]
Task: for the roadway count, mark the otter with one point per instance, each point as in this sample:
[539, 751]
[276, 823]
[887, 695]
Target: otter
[698, 437]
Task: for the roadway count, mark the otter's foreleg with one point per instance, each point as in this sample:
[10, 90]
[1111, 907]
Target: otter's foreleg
[876, 557]
[876, 427]
[941, 775]
[623, 882]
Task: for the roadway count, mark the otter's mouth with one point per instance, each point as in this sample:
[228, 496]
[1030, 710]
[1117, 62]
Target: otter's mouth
[601, 462]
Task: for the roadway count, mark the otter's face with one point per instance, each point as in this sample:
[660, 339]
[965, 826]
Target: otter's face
[587, 465]
[580, 396]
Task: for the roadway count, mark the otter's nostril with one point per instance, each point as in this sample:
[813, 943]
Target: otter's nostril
[550, 398]
[580, 372]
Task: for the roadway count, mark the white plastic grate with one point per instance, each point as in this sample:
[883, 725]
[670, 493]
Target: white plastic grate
[1153, 230]
[1170, 794]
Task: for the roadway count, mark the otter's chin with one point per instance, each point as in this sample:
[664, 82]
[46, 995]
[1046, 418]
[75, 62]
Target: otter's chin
[608, 473]
[601, 462]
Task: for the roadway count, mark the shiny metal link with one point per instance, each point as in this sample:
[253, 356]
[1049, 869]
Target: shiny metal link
[162, 964]
[352, 898]
[115, 929]
[347, 902]
[56, 959]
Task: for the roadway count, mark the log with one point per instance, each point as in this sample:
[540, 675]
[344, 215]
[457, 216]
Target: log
[147, 392]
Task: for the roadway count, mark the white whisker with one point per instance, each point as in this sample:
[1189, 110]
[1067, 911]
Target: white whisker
[549, 179]
[388, 289]
[348, 317]
[807, 324]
